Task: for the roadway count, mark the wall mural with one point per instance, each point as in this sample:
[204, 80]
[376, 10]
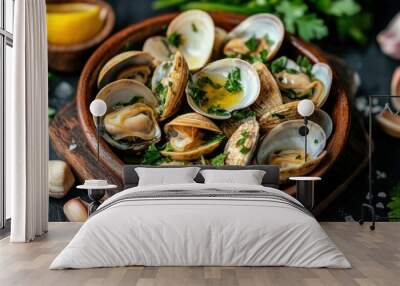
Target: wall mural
[209, 89]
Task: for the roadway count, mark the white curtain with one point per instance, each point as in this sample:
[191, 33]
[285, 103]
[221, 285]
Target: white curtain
[27, 124]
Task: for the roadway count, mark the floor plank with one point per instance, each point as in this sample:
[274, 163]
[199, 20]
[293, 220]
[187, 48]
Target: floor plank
[375, 257]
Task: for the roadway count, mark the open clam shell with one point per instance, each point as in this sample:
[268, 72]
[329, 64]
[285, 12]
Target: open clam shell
[193, 33]
[168, 83]
[191, 136]
[210, 93]
[130, 110]
[284, 145]
[135, 65]
[270, 96]
[279, 114]
[258, 32]
[241, 145]
[315, 86]
[159, 48]
[323, 119]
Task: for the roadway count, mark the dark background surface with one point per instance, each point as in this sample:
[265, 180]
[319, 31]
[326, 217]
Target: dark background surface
[374, 68]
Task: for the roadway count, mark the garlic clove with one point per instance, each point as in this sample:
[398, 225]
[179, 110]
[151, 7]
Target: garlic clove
[389, 38]
[76, 210]
[60, 179]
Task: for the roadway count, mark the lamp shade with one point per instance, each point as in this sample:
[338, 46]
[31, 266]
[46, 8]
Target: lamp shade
[98, 107]
[305, 108]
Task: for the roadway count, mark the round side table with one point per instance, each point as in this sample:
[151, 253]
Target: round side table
[95, 193]
[305, 190]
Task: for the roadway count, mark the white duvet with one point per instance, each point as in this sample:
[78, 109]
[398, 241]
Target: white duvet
[208, 230]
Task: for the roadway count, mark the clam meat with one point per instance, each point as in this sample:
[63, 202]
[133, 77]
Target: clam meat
[302, 80]
[258, 38]
[191, 136]
[284, 146]
[130, 120]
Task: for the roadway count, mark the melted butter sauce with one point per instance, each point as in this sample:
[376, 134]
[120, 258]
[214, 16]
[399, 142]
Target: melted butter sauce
[220, 97]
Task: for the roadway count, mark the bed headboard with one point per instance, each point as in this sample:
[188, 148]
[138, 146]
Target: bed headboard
[271, 177]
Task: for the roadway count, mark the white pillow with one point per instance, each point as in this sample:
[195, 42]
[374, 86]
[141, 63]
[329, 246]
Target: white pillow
[248, 177]
[166, 176]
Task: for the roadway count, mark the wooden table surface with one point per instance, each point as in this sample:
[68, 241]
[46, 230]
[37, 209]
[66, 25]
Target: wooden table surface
[374, 255]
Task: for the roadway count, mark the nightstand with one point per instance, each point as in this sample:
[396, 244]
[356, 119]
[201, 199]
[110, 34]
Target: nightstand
[305, 190]
[96, 190]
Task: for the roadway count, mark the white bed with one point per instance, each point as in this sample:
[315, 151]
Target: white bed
[203, 225]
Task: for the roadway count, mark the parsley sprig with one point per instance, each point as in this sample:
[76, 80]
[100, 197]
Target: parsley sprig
[233, 83]
[310, 19]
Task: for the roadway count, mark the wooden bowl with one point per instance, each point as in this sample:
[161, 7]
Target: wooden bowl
[71, 58]
[337, 105]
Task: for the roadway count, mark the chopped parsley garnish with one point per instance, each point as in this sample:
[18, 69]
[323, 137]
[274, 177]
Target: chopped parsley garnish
[161, 92]
[304, 65]
[198, 95]
[168, 147]
[219, 160]
[175, 39]
[292, 71]
[215, 137]
[252, 43]
[244, 150]
[204, 80]
[316, 141]
[279, 64]
[278, 115]
[166, 66]
[243, 137]
[152, 156]
[194, 28]
[269, 41]
[242, 114]
[291, 94]
[233, 83]
[262, 57]
[217, 111]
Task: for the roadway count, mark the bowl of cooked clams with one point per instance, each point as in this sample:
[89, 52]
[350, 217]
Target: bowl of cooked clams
[198, 88]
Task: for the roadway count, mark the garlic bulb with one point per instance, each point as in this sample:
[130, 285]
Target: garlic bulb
[60, 179]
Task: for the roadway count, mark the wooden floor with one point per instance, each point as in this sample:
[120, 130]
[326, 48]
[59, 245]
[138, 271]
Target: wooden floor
[375, 257]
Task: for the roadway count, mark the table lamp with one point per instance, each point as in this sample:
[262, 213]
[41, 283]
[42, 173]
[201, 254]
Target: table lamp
[305, 108]
[98, 108]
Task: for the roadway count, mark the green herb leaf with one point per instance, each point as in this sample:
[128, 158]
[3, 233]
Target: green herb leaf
[244, 150]
[233, 83]
[215, 137]
[243, 114]
[252, 43]
[217, 111]
[51, 112]
[219, 160]
[279, 64]
[343, 7]
[316, 141]
[291, 11]
[198, 95]
[204, 80]
[311, 27]
[175, 39]
[152, 155]
[304, 65]
[194, 28]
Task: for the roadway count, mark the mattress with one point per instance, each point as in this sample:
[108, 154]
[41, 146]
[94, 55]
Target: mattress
[201, 225]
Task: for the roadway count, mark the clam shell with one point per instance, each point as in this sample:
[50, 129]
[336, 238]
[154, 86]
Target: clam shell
[234, 155]
[177, 77]
[285, 136]
[198, 42]
[324, 120]
[279, 114]
[122, 92]
[249, 80]
[261, 25]
[270, 95]
[321, 72]
[219, 41]
[192, 120]
[118, 63]
[158, 47]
